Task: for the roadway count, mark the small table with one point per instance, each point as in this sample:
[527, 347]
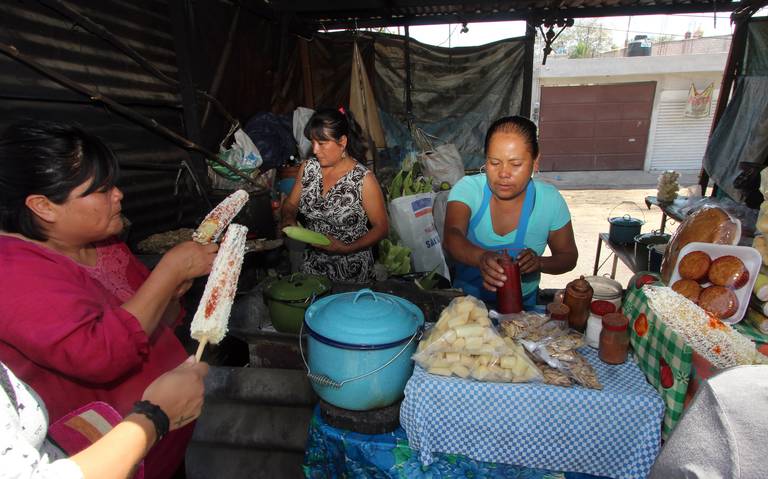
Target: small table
[614, 432]
[625, 253]
[667, 209]
[333, 452]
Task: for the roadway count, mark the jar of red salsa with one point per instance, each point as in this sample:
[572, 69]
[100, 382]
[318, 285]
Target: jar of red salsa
[614, 339]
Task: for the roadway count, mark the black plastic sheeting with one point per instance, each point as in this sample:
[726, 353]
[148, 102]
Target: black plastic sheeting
[456, 92]
[742, 133]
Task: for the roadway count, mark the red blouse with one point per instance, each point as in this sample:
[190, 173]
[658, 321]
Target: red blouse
[63, 331]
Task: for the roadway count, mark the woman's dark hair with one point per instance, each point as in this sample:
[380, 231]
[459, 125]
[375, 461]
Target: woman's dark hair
[515, 124]
[331, 124]
[49, 159]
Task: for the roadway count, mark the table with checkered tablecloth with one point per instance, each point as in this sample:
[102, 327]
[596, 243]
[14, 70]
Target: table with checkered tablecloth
[614, 432]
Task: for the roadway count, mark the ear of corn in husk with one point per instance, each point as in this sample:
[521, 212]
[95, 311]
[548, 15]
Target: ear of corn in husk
[210, 322]
[220, 217]
[306, 236]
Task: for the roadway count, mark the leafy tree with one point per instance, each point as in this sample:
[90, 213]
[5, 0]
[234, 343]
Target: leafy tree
[584, 39]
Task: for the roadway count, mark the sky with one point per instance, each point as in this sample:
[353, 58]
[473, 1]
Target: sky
[651, 25]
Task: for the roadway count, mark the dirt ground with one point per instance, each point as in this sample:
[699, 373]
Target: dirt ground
[589, 213]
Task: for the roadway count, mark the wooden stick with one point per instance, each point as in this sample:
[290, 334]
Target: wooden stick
[200, 347]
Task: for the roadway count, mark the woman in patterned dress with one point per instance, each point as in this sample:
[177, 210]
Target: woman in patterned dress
[338, 197]
[81, 319]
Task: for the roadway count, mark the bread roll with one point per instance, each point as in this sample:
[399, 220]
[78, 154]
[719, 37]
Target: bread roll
[728, 271]
[694, 265]
[708, 224]
[719, 301]
[688, 288]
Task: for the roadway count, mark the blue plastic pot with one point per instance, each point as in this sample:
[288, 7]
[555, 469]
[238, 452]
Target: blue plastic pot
[360, 346]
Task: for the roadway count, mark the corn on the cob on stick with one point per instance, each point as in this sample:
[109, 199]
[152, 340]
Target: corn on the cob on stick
[212, 316]
[219, 218]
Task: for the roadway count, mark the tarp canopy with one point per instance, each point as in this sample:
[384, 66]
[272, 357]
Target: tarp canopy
[456, 92]
[742, 133]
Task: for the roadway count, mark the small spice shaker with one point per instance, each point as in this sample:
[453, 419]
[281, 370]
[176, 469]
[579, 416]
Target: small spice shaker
[578, 297]
[614, 339]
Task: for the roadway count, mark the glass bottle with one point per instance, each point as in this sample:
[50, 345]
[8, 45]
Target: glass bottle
[578, 297]
[509, 297]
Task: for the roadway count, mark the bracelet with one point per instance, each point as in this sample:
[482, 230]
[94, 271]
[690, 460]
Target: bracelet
[158, 417]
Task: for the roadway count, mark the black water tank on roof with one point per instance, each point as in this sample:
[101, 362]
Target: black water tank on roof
[639, 47]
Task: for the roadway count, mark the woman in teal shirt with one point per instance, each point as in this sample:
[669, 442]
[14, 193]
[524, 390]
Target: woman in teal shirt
[505, 208]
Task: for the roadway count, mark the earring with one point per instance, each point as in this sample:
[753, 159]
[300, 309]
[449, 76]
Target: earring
[343, 154]
[482, 169]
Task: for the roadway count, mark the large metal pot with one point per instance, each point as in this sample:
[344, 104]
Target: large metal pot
[643, 244]
[624, 228]
[360, 346]
[288, 299]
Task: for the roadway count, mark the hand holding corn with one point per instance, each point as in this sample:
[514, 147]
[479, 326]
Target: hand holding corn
[220, 217]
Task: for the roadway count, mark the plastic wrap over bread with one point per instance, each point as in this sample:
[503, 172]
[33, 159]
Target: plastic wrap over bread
[708, 224]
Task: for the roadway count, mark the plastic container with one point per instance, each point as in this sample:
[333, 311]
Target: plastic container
[360, 346]
[749, 256]
[597, 310]
[606, 289]
[614, 339]
[509, 297]
[594, 327]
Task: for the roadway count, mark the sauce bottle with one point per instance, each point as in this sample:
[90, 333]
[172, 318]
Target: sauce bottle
[578, 297]
[509, 298]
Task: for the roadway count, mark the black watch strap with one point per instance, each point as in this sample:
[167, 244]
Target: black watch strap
[154, 414]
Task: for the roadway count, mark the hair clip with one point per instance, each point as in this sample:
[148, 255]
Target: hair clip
[342, 111]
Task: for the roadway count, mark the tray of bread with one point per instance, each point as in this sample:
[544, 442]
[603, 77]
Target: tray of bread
[719, 278]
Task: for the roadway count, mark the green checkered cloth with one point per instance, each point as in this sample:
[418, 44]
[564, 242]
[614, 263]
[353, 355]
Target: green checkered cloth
[659, 341]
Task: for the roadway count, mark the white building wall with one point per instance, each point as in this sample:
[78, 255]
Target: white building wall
[674, 142]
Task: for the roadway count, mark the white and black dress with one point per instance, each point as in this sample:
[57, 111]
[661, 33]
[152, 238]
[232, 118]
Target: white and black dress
[340, 214]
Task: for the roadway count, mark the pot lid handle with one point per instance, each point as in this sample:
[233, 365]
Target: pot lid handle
[362, 292]
[627, 214]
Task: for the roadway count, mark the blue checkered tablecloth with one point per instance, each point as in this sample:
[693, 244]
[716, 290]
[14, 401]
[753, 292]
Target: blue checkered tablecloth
[614, 432]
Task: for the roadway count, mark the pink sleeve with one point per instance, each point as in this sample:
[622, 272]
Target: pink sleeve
[59, 318]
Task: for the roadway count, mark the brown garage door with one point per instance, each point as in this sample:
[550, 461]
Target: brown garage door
[602, 127]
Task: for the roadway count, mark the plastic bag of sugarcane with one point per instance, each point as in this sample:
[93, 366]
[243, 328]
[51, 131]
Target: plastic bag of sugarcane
[465, 344]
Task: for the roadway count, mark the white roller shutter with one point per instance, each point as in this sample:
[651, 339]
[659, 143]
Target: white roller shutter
[679, 142]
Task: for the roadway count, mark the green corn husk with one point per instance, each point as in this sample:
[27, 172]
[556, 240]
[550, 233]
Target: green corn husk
[306, 236]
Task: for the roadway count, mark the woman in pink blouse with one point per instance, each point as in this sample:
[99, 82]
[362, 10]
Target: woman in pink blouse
[81, 319]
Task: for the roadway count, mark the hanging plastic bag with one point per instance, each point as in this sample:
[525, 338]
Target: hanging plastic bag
[442, 163]
[412, 219]
[301, 116]
[243, 155]
[699, 102]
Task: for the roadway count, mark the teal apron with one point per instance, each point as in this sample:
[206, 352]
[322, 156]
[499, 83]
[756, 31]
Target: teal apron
[469, 278]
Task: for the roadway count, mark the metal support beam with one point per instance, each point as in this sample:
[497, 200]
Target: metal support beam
[408, 85]
[530, 41]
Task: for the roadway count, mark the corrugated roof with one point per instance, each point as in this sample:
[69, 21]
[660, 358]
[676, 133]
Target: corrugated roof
[379, 13]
